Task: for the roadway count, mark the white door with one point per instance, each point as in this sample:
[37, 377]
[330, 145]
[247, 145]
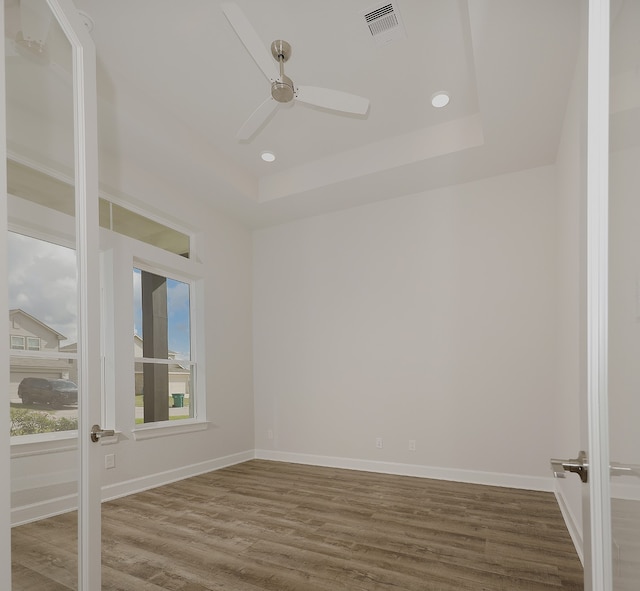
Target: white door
[52, 209]
[624, 294]
[610, 463]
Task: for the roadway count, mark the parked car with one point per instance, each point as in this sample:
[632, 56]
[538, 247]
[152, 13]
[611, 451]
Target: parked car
[46, 391]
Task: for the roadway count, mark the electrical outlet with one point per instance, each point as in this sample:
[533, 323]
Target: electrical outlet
[270, 434]
[110, 461]
[412, 445]
[379, 442]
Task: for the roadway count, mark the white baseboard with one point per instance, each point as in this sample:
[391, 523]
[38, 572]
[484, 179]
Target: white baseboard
[572, 525]
[469, 476]
[135, 485]
[50, 507]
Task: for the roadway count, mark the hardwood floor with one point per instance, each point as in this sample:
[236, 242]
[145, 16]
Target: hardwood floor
[285, 527]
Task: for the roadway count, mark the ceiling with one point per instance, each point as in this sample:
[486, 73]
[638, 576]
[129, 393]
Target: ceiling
[175, 84]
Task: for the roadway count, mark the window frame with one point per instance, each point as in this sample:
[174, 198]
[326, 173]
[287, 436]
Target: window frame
[39, 346]
[193, 363]
[16, 337]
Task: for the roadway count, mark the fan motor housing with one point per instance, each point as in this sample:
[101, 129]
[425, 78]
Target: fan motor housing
[283, 90]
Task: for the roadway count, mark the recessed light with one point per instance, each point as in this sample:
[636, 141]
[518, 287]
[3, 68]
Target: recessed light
[268, 156]
[440, 99]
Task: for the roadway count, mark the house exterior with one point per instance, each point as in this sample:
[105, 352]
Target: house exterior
[28, 333]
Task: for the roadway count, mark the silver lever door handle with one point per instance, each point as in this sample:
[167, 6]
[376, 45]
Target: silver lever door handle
[97, 432]
[578, 466]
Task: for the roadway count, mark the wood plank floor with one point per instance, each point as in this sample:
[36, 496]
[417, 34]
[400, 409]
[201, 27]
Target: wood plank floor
[284, 527]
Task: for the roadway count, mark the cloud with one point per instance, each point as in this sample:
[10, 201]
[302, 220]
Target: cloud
[42, 282]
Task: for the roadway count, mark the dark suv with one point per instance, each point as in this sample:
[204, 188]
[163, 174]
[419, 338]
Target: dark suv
[54, 392]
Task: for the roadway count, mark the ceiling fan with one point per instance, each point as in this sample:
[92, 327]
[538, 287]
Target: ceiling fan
[283, 90]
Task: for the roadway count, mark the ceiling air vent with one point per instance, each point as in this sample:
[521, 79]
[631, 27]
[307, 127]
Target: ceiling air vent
[384, 23]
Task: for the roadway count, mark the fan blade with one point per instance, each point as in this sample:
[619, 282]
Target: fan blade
[250, 39]
[257, 119]
[332, 99]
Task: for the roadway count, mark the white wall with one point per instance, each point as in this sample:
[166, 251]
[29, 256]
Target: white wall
[224, 307]
[429, 317]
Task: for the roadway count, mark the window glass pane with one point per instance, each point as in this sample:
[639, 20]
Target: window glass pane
[175, 401]
[42, 297]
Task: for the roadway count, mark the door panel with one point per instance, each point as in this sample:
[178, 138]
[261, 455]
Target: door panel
[611, 499]
[624, 294]
[53, 296]
[42, 256]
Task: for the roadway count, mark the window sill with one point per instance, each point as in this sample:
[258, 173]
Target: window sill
[167, 428]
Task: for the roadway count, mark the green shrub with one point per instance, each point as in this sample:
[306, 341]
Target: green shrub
[27, 422]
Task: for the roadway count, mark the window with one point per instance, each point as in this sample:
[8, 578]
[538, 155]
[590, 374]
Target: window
[33, 344]
[165, 370]
[17, 343]
[124, 221]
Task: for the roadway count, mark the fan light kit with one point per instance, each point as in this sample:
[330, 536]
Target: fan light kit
[268, 156]
[440, 99]
[283, 90]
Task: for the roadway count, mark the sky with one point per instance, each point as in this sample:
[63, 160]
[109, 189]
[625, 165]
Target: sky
[42, 282]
